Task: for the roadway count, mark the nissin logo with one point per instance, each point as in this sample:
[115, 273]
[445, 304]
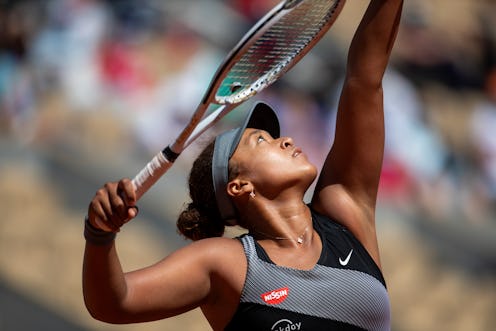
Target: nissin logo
[276, 296]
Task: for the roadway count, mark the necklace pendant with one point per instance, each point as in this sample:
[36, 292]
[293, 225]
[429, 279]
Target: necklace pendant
[299, 240]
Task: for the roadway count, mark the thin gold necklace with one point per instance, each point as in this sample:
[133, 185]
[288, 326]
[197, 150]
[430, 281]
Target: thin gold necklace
[298, 239]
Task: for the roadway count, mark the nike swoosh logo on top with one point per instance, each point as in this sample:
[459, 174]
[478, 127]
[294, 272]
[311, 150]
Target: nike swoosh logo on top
[345, 261]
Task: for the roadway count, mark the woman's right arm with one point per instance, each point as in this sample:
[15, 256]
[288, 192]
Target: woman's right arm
[178, 283]
[104, 283]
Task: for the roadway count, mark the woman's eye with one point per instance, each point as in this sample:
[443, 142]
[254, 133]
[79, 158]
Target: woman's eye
[260, 139]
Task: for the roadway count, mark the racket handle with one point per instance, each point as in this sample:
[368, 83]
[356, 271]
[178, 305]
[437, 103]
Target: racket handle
[149, 175]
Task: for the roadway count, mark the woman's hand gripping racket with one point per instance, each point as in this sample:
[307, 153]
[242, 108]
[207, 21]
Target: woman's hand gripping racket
[274, 45]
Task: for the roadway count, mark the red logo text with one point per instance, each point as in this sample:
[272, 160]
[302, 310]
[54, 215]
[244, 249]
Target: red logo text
[276, 296]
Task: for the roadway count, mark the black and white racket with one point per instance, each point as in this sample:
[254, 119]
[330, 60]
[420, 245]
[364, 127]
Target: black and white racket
[271, 47]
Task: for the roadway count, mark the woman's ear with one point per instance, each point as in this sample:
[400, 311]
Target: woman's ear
[238, 187]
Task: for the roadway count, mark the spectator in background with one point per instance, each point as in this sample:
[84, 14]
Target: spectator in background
[66, 51]
[252, 10]
[429, 54]
[18, 22]
[483, 134]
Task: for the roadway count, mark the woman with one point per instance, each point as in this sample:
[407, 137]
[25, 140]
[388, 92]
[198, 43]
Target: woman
[300, 267]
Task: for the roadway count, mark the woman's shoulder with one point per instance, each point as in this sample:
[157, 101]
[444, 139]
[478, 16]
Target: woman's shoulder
[339, 205]
[218, 250]
[223, 242]
[216, 244]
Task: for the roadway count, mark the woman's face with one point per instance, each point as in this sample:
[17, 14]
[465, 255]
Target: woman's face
[272, 164]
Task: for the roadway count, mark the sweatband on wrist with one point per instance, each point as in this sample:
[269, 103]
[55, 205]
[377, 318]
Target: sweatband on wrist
[97, 236]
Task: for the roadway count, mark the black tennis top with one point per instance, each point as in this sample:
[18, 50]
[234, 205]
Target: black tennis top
[345, 290]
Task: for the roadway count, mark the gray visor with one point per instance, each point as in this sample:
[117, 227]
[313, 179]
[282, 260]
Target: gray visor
[261, 116]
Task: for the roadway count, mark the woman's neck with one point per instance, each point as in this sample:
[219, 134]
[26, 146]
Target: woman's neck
[288, 224]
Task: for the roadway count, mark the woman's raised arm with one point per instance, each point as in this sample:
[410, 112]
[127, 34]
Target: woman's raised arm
[348, 184]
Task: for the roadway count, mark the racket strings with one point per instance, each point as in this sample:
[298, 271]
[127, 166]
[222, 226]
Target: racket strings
[292, 33]
[272, 54]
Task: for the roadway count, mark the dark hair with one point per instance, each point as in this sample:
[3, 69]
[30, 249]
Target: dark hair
[201, 217]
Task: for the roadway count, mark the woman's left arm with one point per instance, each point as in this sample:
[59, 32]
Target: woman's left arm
[348, 184]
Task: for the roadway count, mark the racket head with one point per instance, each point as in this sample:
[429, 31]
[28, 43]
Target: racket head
[273, 46]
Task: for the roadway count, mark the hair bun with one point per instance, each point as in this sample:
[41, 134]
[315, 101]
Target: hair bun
[194, 223]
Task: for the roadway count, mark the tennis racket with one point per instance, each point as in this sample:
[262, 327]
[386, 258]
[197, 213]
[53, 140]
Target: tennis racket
[267, 51]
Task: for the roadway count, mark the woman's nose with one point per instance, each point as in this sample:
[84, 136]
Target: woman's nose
[286, 142]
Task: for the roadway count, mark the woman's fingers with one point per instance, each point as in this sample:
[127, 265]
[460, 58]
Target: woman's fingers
[126, 187]
[113, 205]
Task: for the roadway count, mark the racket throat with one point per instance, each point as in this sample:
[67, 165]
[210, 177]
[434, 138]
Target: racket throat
[169, 154]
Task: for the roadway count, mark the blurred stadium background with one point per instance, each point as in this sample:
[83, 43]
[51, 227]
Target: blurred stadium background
[90, 89]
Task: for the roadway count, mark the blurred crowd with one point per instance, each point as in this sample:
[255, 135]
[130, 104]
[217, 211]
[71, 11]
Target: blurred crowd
[148, 62]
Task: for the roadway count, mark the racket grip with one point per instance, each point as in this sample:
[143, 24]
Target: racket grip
[149, 175]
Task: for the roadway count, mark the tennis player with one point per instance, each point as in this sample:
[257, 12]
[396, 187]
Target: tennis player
[301, 266]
